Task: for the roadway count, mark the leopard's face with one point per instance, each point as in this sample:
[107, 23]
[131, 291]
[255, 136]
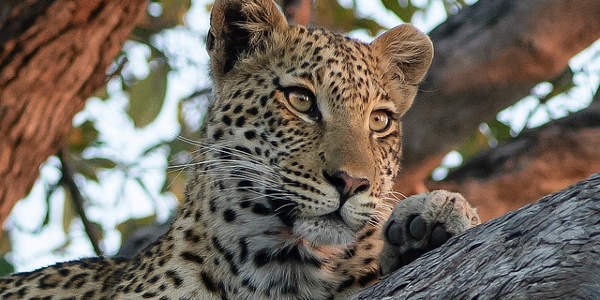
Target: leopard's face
[306, 126]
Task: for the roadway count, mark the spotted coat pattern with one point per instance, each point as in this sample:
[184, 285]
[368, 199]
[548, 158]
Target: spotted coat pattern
[265, 215]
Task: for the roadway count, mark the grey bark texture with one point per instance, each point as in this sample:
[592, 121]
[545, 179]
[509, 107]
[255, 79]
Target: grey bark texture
[546, 250]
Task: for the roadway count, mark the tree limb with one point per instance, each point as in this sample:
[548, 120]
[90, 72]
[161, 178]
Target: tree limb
[487, 57]
[546, 250]
[553, 156]
[68, 181]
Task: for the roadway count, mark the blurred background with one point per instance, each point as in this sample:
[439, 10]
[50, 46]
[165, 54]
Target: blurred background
[493, 123]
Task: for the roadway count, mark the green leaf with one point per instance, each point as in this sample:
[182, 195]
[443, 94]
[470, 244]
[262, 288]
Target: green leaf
[473, 145]
[173, 11]
[371, 25]
[147, 96]
[561, 84]
[82, 136]
[404, 12]
[68, 212]
[330, 14]
[96, 231]
[5, 243]
[129, 226]
[500, 131]
[98, 162]
[173, 14]
[87, 170]
[5, 267]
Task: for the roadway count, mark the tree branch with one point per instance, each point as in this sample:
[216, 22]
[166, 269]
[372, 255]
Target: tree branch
[68, 182]
[487, 57]
[546, 250]
[553, 156]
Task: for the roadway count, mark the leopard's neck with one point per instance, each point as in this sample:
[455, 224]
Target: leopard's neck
[242, 249]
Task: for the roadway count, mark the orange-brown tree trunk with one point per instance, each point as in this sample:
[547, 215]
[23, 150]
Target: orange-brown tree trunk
[53, 55]
[487, 57]
[536, 163]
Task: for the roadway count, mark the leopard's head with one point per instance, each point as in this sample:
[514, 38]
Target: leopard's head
[306, 123]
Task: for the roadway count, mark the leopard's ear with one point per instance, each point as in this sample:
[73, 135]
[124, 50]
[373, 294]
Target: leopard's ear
[405, 53]
[237, 27]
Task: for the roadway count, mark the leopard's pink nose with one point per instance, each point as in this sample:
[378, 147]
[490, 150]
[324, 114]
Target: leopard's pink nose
[346, 185]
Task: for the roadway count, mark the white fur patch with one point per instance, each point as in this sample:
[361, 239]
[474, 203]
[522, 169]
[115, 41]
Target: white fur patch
[324, 230]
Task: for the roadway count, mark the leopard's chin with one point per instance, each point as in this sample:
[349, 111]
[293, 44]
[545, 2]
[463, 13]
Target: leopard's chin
[328, 229]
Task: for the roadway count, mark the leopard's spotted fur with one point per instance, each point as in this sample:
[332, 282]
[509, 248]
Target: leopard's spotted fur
[281, 204]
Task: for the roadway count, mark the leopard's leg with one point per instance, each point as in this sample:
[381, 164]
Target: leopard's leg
[421, 223]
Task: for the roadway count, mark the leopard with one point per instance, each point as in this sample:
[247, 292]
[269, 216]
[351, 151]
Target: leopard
[290, 191]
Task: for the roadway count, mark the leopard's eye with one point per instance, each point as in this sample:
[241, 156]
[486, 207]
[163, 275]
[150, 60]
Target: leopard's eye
[379, 121]
[300, 101]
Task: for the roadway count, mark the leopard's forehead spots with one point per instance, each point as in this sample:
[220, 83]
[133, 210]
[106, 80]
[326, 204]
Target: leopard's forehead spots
[345, 66]
[342, 71]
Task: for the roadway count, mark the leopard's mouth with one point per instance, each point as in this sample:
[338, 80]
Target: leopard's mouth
[334, 217]
[329, 229]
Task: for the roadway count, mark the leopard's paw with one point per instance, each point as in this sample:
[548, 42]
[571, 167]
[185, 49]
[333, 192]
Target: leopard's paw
[423, 222]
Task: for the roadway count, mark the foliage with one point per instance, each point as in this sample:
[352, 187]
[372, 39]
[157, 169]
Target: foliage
[146, 96]
[330, 14]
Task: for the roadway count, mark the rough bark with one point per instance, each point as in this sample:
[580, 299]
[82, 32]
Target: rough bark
[53, 55]
[487, 57]
[552, 157]
[546, 250]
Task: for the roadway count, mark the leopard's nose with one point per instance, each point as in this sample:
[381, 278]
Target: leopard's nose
[346, 185]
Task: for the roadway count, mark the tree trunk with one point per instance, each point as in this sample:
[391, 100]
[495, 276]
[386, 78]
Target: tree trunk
[537, 162]
[53, 55]
[546, 250]
[487, 57]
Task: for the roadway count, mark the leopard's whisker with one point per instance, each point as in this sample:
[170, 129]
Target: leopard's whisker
[236, 152]
[242, 175]
[293, 204]
[395, 193]
[263, 196]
